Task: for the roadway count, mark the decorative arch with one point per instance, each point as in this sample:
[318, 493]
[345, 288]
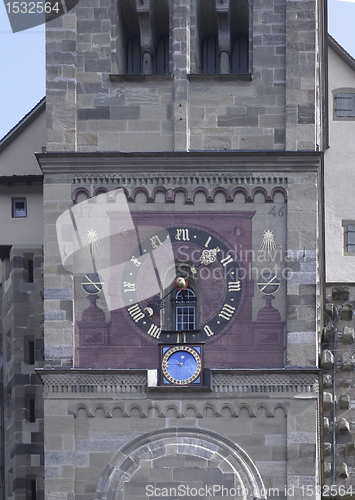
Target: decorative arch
[80, 191]
[242, 190]
[279, 190]
[157, 446]
[263, 191]
[100, 190]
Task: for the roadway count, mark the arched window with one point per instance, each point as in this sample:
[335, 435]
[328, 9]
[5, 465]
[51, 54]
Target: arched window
[185, 310]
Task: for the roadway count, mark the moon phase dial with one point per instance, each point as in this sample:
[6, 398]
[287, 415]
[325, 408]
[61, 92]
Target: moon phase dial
[181, 365]
[268, 284]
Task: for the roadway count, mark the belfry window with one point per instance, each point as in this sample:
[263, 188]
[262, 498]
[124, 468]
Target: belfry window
[223, 36]
[143, 37]
[185, 310]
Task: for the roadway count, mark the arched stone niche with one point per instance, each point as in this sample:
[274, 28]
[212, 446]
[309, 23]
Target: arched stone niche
[179, 457]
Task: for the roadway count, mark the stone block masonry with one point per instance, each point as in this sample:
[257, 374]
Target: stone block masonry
[94, 106]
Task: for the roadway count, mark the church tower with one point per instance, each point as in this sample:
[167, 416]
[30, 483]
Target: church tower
[183, 249]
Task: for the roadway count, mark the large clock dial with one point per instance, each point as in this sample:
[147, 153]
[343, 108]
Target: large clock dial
[201, 253]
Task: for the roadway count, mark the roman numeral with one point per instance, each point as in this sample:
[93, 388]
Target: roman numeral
[227, 260]
[136, 313]
[227, 312]
[208, 331]
[129, 287]
[234, 286]
[182, 235]
[155, 241]
[135, 261]
[154, 331]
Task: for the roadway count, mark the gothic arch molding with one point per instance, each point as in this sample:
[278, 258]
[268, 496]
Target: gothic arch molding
[180, 443]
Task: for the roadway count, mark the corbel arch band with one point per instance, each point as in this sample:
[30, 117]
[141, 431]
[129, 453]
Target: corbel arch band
[174, 447]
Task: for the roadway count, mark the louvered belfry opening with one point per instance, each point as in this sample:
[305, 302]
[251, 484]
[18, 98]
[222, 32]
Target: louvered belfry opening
[143, 37]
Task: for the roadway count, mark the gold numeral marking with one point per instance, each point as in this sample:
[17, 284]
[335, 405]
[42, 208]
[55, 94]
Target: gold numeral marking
[135, 261]
[227, 260]
[208, 241]
[155, 241]
[208, 331]
[234, 286]
[129, 287]
[182, 235]
[154, 331]
[136, 313]
[227, 312]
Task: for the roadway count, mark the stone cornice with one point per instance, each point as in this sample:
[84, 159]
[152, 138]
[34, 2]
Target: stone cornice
[258, 381]
[206, 162]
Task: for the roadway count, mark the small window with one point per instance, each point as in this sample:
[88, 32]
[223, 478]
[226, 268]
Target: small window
[185, 310]
[349, 237]
[19, 208]
[345, 105]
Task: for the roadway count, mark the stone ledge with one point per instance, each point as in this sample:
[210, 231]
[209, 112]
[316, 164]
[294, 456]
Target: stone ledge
[94, 381]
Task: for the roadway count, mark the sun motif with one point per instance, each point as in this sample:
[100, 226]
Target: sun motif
[92, 240]
[268, 244]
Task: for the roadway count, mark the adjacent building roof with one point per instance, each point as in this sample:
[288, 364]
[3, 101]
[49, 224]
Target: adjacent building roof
[22, 124]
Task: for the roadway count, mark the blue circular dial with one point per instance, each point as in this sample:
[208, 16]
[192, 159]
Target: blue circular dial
[181, 365]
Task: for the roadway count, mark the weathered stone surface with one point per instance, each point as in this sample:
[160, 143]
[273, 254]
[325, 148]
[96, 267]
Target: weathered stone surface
[343, 471]
[327, 401]
[340, 293]
[343, 426]
[350, 449]
[327, 359]
[327, 449]
[344, 402]
[348, 336]
[346, 312]
[327, 381]
[347, 361]
[327, 467]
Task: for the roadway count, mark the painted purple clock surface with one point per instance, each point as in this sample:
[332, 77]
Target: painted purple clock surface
[153, 252]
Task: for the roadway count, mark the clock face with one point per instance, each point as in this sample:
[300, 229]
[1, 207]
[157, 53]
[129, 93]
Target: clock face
[196, 254]
[181, 365]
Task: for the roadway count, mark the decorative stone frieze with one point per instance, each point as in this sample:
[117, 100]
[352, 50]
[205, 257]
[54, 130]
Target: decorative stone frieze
[127, 381]
[88, 382]
[211, 184]
[277, 382]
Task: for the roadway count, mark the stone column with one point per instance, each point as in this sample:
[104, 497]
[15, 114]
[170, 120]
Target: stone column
[224, 36]
[181, 68]
[146, 35]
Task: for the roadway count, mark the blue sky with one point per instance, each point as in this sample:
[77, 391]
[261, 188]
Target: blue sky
[22, 60]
